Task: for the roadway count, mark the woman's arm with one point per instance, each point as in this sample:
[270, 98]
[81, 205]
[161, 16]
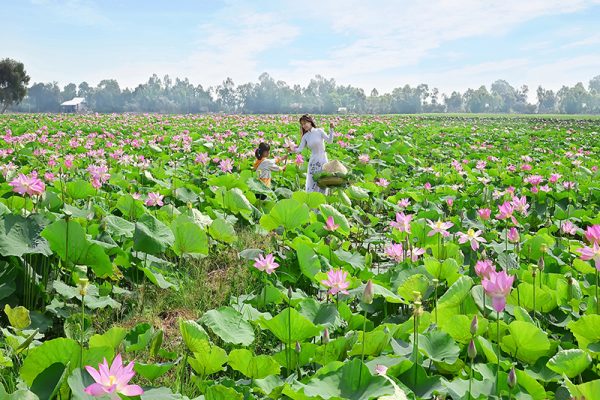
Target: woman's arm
[302, 144]
[328, 138]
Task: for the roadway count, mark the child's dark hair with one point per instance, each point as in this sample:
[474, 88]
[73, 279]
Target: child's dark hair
[262, 148]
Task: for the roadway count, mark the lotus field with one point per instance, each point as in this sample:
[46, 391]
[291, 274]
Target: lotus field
[141, 257]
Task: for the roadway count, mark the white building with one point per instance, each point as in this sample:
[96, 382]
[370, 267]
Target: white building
[75, 105]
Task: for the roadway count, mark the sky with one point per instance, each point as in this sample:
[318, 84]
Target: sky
[448, 44]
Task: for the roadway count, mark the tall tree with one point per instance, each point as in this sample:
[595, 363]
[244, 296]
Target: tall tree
[69, 92]
[13, 83]
[573, 100]
[546, 101]
[454, 102]
[45, 97]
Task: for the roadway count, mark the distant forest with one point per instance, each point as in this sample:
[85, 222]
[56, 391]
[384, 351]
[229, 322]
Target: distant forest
[321, 95]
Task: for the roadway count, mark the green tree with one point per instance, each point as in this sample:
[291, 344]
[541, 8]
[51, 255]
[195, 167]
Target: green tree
[594, 89]
[45, 97]
[69, 92]
[107, 97]
[478, 101]
[546, 101]
[573, 100]
[454, 102]
[13, 83]
[506, 96]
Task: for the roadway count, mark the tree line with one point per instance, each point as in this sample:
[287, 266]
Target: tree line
[320, 96]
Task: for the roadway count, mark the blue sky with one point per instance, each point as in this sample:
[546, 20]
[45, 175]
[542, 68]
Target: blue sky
[449, 44]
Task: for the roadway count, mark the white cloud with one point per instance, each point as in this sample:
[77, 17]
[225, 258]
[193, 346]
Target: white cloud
[377, 43]
[391, 35]
[232, 45]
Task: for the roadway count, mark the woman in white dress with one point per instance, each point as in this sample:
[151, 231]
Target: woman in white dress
[314, 138]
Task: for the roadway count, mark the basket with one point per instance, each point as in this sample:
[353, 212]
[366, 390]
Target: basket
[332, 181]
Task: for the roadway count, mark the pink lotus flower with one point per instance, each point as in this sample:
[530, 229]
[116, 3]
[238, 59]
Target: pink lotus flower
[568, 228]
[450, 201]
[498, 285]
[506, 212]
[382, 182]
[554, 178]
[569, 185]
[69, 161]
[414, 253]
[591, 253]
[534, 180]
[520, 204]
[266, 263]
[381, 369]
[592, 234]
[154, 199]
[404, 203]
[473, 237]
[364, 158]
[439, 227]
[226, 165]
[299, 160]
[202, 158]
[484, 213]
[395, 252]
[402, 222]
[513, 235]
[427, 186]
[545, 188]
[289, 144]
[30, 185]
[337, 281]
[112, 381]
[483, 268]
[330, 224]
[49, 176]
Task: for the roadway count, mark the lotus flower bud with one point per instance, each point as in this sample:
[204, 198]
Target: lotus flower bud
[290, 292]
[541, 263]
[381, 369]
[326, 336]
[368, 293]
[298, 347]
[474, 325]
[512, 378]
[472, 350]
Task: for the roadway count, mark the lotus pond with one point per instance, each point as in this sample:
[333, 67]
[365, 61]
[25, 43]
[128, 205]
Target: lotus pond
[141, 258]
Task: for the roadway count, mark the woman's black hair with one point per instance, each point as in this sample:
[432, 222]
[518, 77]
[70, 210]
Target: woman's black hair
[308, 119]
[261, 150]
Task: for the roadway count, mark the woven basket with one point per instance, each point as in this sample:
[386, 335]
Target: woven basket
[332, 181]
